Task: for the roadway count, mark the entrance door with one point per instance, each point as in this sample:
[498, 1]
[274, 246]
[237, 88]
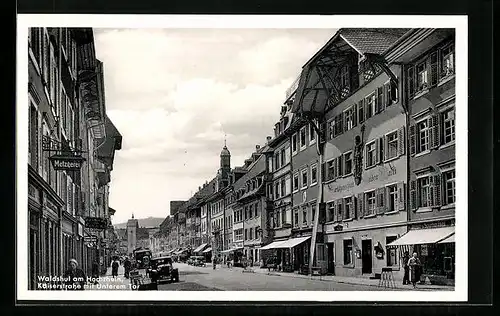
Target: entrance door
[321, 257]
[366, 248]
[33, 252]
[331, 258]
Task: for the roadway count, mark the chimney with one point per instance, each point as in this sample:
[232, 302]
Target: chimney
[257, 147]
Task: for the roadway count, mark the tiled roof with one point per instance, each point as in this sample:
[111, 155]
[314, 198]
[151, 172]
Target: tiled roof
[374, 40]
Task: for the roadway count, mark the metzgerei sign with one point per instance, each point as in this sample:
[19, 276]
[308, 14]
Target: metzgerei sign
[67, 162]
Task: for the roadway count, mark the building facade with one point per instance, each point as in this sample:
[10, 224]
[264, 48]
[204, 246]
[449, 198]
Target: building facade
[67, 116]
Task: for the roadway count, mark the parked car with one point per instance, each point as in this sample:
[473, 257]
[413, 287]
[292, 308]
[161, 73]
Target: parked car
[198, 261]
[161, 269]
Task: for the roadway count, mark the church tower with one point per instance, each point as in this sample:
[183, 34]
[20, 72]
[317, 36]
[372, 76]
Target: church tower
[225, 167]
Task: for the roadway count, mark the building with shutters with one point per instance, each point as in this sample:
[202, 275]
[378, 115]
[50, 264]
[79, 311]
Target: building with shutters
[430, 96]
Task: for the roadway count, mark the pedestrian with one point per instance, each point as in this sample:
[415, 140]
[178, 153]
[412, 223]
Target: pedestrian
[95, 270]
[74, 276]
[127, 265]
[414, 264]
[406, 277]
[214, 262]
[114, 268]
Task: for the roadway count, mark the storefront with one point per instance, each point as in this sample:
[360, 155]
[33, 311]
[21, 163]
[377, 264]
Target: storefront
[358, 253]
[291, 254]
[34, 250]
[435, 248]
[49, 237]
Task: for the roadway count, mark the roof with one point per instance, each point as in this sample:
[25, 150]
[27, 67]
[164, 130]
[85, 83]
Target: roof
[373, 40]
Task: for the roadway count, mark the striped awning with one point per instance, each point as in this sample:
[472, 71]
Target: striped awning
[423, 236]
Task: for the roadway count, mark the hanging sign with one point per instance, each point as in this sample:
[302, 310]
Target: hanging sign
[60, 162]
[96, 222]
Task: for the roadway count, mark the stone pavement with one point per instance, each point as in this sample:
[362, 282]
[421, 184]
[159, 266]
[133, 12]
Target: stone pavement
[339, 279]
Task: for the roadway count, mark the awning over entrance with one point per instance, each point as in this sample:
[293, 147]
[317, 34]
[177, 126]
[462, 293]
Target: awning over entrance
[209, 249]
[200, 248]
[449, 240]
[289, 243]
[423, 236]
[230, 250]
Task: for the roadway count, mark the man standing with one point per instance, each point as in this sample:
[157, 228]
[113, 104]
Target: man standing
[406, 278]
[414, 264]
[127, 264]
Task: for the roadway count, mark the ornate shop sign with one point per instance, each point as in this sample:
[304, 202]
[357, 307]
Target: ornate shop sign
[96, 222]
[60, 162]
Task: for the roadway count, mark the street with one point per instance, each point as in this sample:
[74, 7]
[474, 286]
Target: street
[224, 279]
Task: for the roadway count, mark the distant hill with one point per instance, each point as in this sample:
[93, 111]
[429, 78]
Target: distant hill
[143, 222]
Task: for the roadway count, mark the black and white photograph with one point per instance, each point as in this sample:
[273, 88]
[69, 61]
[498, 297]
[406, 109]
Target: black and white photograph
[242, 158]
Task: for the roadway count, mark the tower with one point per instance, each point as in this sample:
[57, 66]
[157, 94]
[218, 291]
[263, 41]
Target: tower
[132, 226]
[225, 168]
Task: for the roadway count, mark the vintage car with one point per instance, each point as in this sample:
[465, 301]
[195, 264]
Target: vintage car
[161, 269]
[198, 261]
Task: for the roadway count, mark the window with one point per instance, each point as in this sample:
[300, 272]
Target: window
[331, 129]
[422, 82]
[331, 169]
[331, 212]
[392, 145]
[391, 93]
[449, 182]
[282, 156]
[370, 203]
[283, 187]
[449, 126]
[348, 251]
[349, 118]
[447, 61]
[33, 137]
[338, 125]
[424, 187]
[296, 218]
[371, 154]
[251, 234]
[304, 178]
[392, 259]
[371, 105]
[277, 190]
[423, 136]
[314, 174]
[294, 143]
[246, 234]
[295, 182]
[392, 194]
[304, 216]
[278, 218]
[349, 208]
[347, 163]
[302, 138]
[344, 76]
[361, 111]
[312, 134]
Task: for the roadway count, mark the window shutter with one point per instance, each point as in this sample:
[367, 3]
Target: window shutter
[377, 151]
[413, 141]
[387, 94]
[401, 197]
[401, 141]
[354, 209]
[433, 66]
[436, 127]
[436, 198]
[359, 205]
[340, 162]
[323, 172]
[380, 200]
[393, 92]
[334, 169]
[367, 107]
[335, 212]
[341, 122]
[411, 82]
[361, 107]
[341, 210]
[413, 195]
[381, 149]
[354, 114]
[380, 97]
[386, 147]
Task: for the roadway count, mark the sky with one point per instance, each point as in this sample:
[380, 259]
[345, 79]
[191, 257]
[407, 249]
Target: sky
[175, 93]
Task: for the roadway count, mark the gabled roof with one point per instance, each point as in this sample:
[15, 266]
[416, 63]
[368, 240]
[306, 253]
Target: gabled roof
[371, 40]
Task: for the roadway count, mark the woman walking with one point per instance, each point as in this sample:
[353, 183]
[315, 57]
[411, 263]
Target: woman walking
[414, 264]
[406, 278]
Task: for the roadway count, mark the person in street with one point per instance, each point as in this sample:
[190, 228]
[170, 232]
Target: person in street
[127, 265]
[95, 270]
[214, 262]
[406, 277]
[414, 264]
[114, 268]
[269, 263]
[75, 277]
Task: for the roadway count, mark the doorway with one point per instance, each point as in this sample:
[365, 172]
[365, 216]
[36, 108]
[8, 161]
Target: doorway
[366, 249]
[331, 258]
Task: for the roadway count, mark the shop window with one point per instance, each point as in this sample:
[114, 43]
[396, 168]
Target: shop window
[449, 182]
[392, 253]
[348, 252]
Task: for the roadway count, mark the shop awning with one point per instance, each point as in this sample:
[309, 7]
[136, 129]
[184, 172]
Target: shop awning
[289, 243]
[423, 236]
[209, 249]
[230, 250]
[200, 248]
[448, 240]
